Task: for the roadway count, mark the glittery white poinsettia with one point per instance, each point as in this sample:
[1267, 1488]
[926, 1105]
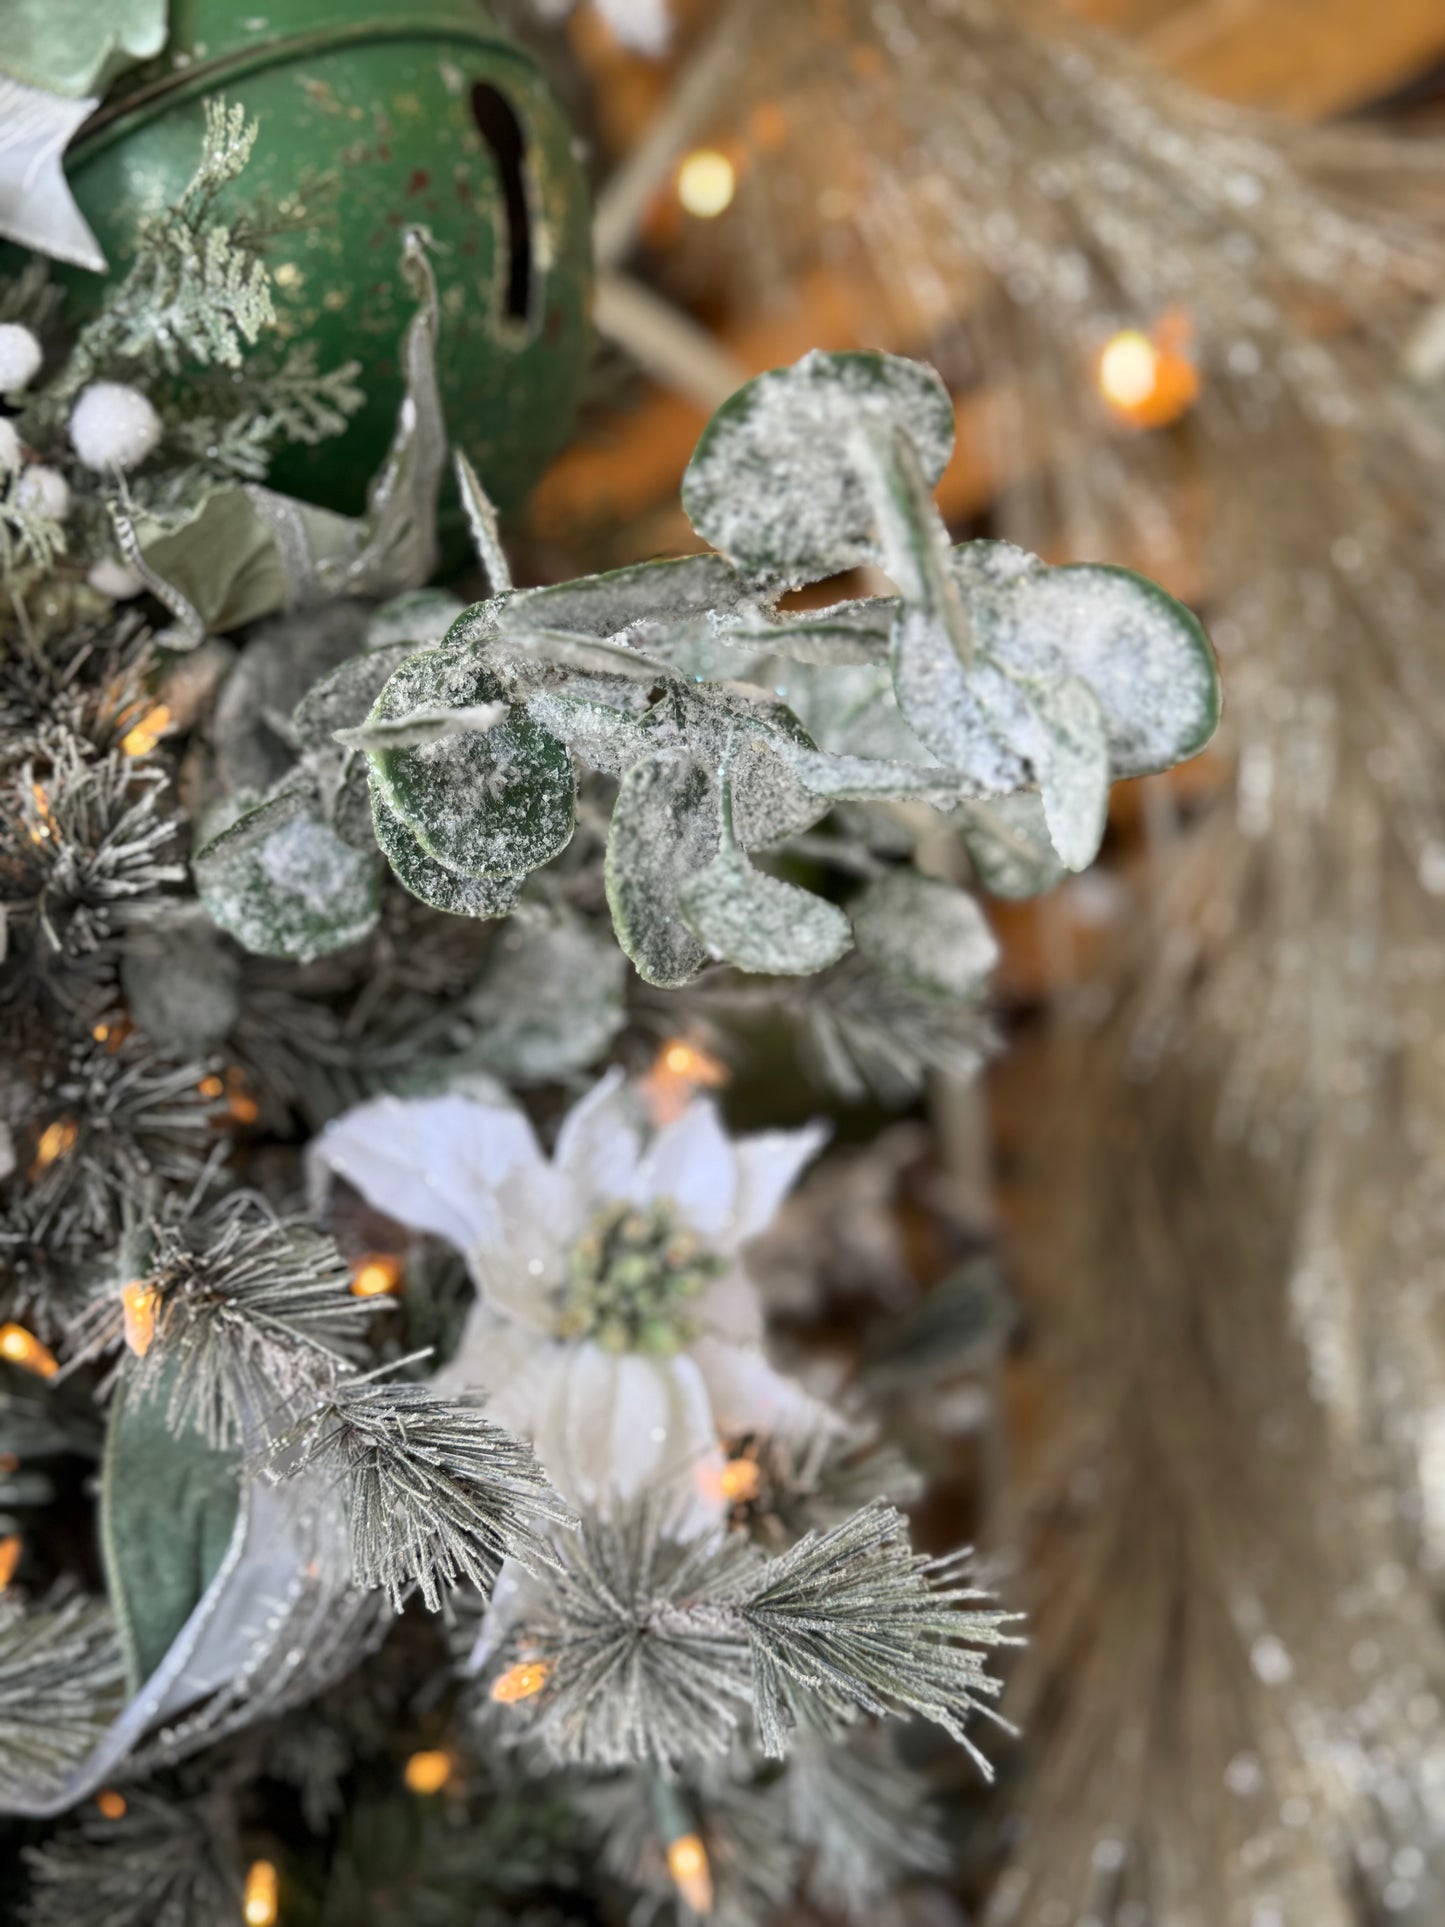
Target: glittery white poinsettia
[617, 1327]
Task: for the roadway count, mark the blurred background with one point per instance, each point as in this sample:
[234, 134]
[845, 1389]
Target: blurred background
[1162, 1295]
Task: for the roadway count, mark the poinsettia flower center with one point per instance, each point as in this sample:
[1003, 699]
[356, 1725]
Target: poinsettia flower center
[633, 1280]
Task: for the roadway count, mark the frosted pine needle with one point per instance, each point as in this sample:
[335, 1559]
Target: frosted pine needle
[437, 1493]
[60, 1683]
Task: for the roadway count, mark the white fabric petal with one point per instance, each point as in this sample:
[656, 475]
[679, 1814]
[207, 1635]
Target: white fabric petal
[748, 1395]
[432, 1163]
[769, 1164]
[509, 1362]
[690, 1164]
[730, 1308]
[599, 1145]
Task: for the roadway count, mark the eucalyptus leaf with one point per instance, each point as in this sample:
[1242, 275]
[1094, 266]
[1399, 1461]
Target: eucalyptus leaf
[182, 985]
[759, 923]
[925, 933]
[1145, 655]
[284, 884]
[344, 696]
[419, 617]
[665, 829]
[1008, 842]
[1073, 770]
[609, 605]
[844, 634]
[775, 481]
[429, 881]
[488, 803]
[551, 1001]
[168, 1510]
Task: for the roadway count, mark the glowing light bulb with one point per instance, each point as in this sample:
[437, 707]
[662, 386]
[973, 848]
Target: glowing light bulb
[9, 1558]
[1148, 380]
[139, 1304]
[376, 1277]
[141, 738]
[428, 1772]
[43, 828]
[691, 1875]
[520, 1682]
[680, 1069]
[55, 1140]
[261, 1905]
[23, 1348]
[1128, 369]
[111, 1803]
[706, 183]
[741, 1481]
[211, 1087]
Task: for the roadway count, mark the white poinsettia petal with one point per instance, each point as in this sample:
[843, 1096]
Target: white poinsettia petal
[434, 1163]
[748, 1395]
[730, 1308]
[508, 1362]
[600, 1144]
[690, 1164]
[769, 1164]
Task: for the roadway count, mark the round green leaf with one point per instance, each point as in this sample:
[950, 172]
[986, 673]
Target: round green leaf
[925, 933]
[759, 923]
[284, 884]
[427, 880]
[488, 803]
[776, 481]
[665, 829]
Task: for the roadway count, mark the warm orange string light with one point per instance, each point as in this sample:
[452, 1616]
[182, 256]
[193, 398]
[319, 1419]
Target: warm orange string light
[691, 1875]
[680, 1069]
[429, 1772]
[55, 1140]
[23, 1348]
[139, 1304]
[741, 1481]
[706, 183]
[141, 738]
[111, 1803]
[1149, 380]
[520, 1682]
[239, 1102]
[376, 1276]
[262, 1903]
[43, 828]
[9, 1558]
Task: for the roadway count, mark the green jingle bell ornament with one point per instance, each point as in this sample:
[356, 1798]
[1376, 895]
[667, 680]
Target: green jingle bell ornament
[374, 117]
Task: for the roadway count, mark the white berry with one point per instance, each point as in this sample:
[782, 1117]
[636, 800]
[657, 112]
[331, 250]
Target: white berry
[113, 426]
[118, 580]
[44, 491]
[9, 447]
[19, 356]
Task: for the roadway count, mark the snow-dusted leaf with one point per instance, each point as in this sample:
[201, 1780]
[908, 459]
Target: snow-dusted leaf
[420, 617]
[1145, 656]
[759, 923]
[605, 606]
[599, 722]
[427, 879]
[974, 719]
[925, 933]
[182, 984]
[1073, 768]
[846, 633]
[550, 1003]
[425, 725]
[665, 829]
[756, 735]
[494, 803]
[344, 696]
[482, 525]
[867, 779]
[775, 481]
[1008, 841]
[284, 884]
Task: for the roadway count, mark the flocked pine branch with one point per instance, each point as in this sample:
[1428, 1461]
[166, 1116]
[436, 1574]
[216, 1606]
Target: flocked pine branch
[248, 1316]
[437, 1494]
[60, 1684]
[161, 1863]
[653, 1652]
